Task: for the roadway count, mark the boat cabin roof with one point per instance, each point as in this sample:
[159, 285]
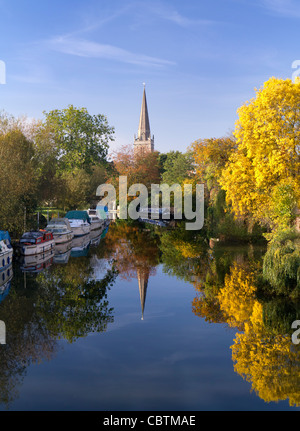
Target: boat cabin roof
[78, 215]
[37, 234]
[32, 234]
[59, 222]
[4, 236]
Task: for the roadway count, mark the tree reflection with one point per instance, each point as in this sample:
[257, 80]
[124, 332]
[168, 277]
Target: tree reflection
[263, 352]
[269, 362]
[71, 303]
[184, 254]
[63, 302]
[131, 248]
[28, 340]
[255, 292]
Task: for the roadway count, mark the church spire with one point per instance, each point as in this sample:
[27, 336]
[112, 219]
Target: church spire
[144, 126]
[143, 143]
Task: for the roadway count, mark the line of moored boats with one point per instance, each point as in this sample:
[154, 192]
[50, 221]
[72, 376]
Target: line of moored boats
[71, 235]
[57, 232]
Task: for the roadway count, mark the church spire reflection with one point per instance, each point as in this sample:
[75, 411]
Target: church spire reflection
[143, 278]
[135, 253]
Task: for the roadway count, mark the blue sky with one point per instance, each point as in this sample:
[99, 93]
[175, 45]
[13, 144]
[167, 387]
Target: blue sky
[200, 60]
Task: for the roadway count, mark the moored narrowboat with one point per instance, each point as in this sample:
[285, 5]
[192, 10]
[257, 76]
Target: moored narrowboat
[36, 242]
[60, 229]
[80, 222]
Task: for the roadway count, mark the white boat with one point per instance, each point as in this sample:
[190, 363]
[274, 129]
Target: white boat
[96, 221]
[60, 229]
[80, 222]
[36, 243]
[6, 250]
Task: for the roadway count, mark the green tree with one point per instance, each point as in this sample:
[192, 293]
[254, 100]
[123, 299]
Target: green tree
[78, 139]
[18, 182]
[281, 264]
[177, 167]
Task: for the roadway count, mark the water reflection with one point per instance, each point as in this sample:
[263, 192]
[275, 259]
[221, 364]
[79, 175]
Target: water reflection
[65, 296]
[6, 276]
[80, 246]
[135, 253]
[36, 263]
[49, 302]
[232, 289]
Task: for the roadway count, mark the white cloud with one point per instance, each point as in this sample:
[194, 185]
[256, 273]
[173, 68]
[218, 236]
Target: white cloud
[288, 8]
[174, 16]
[143, 13]
[139, 13]
[90, 49]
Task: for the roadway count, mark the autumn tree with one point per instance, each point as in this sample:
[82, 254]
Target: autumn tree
[210, 157]
[143, 169]
[261, 179]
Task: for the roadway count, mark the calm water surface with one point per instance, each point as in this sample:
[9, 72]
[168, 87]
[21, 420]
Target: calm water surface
[142, 320]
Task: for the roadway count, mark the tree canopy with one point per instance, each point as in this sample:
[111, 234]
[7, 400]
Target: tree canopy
[79, 139]
[262, 177]
[18, 182]
[177, 167]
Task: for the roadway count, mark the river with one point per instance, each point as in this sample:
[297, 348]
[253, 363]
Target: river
[143, 320]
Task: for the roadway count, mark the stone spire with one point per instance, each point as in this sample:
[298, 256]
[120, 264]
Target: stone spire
[143, 143]
[144, 126]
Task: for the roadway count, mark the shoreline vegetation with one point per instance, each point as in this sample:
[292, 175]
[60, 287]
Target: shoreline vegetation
[251, 177]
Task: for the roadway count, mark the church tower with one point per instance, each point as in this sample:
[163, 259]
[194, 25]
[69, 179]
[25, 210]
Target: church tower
[143, 143]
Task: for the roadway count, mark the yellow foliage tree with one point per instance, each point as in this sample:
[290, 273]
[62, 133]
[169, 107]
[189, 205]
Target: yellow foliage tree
[267, 159]
[210, 157]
